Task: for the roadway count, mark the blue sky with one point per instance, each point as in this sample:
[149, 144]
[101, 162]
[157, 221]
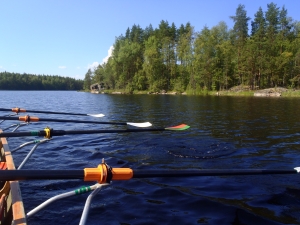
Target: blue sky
[66, 37]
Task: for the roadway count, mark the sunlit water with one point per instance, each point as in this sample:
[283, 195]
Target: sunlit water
[225, 133]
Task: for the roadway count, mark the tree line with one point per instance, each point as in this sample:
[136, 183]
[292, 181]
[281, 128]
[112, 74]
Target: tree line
[16, 81]
[181, 59]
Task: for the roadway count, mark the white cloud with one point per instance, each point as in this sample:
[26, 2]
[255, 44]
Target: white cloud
[62, 67]
[93, 66]
[110, 50]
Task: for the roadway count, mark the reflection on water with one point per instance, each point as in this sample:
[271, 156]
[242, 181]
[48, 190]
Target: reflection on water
[225, 133]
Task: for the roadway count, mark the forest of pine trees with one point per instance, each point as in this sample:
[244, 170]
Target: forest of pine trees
[16, 81]
[184, 60]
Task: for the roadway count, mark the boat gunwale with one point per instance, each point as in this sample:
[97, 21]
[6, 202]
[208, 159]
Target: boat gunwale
[19, 216]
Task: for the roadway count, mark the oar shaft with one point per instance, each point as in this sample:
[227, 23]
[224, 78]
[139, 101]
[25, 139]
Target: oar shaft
[40, 174]
[9, 118]
[19, 134]
[67, 132]
[42, 133]
[97, 174]
[61, 113]
[206, 172]
[81, 121]
[18, 110]
[7, 110]
[36, 119]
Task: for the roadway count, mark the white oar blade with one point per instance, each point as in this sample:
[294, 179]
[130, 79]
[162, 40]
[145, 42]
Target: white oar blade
[96, 115]
[145, 124]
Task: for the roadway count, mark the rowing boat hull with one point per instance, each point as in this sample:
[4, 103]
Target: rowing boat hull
[11, 204]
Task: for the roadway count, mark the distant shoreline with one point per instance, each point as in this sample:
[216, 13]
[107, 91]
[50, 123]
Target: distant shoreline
[269, 92]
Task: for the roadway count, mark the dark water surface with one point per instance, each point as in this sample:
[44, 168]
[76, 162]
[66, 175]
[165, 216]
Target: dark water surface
[225, 133]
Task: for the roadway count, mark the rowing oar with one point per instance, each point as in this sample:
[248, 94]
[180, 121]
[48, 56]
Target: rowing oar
[104, 173]
[19, 110]
[28, 119]
[48, 133]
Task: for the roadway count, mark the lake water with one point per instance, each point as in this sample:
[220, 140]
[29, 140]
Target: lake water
[225, 133]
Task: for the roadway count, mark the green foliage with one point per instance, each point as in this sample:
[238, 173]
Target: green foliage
[87, 80]
[16, 81]
[182, 60]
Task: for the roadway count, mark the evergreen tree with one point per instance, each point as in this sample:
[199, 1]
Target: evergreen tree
[240, 30]
[152, 63]
[259, 48]
[16, 81]
[87, 80]
[272, 29]
[184, 50]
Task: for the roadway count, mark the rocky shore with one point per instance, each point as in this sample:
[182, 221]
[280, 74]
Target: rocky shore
[270, 92]
[234, 91]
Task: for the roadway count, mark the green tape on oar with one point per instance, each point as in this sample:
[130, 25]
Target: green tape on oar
[34, 133]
